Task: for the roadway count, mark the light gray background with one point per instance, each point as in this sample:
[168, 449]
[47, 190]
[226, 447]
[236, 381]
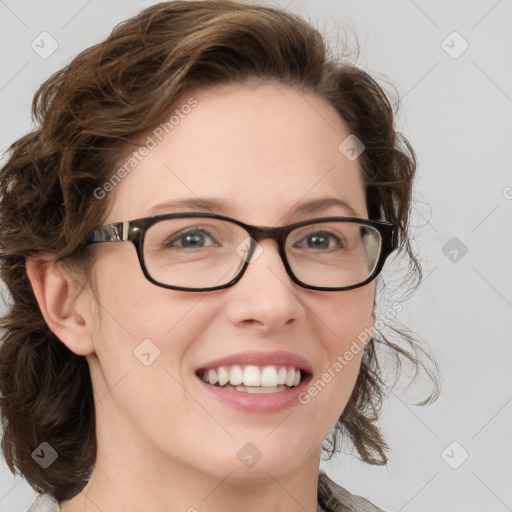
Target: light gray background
[457, 114]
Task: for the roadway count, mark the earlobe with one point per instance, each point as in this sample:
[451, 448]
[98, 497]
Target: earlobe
[57, 293]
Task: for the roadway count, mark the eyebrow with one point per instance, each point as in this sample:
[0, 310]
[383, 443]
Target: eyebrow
[220, 206]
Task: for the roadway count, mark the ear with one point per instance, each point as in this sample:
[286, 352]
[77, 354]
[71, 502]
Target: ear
[62, 302]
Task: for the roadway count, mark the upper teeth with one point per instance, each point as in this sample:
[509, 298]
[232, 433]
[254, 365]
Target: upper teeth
[251, 375]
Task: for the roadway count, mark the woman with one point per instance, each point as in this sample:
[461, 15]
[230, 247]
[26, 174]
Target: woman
[191, 238]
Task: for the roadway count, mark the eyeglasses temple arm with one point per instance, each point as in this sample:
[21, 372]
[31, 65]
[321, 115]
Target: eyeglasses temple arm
[117, 232]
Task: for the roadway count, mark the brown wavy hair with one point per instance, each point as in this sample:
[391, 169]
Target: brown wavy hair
[87, 116]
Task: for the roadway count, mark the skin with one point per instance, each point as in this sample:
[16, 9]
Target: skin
[163, 443]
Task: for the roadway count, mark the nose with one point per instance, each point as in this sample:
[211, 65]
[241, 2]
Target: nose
[265, 296]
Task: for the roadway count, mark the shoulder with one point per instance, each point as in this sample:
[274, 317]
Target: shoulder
[334, 498]
[44, 503]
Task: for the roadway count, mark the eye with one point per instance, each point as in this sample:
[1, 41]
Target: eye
[322, 240]
[190, 239]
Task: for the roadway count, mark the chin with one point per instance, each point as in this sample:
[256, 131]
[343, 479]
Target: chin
[254, 460]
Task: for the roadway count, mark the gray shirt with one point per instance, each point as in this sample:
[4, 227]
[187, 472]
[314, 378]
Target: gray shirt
[331, 498]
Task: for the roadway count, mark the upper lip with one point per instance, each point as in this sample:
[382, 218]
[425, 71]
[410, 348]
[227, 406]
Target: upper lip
[278, 358]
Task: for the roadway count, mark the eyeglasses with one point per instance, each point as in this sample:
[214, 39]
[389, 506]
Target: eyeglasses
[203, 252]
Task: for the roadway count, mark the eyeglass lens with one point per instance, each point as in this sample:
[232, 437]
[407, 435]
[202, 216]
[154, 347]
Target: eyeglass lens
[207, 252]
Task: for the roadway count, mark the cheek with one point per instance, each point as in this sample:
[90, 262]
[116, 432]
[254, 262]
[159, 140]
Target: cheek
[341, 317]
[353, 324]
[133, 308]
[344, 325]
[141, 343]
[138, 327]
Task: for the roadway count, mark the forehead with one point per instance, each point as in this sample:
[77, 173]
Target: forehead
[260, 149]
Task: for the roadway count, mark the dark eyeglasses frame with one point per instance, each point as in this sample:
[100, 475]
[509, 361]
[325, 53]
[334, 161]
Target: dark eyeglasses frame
[135, 231]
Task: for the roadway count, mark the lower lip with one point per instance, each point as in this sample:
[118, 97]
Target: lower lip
[257, 402]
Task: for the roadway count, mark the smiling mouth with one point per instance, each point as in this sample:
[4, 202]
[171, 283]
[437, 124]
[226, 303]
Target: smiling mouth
[253, 379]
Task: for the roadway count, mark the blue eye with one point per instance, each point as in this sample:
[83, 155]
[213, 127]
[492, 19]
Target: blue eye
[191, 239]
[322, 240]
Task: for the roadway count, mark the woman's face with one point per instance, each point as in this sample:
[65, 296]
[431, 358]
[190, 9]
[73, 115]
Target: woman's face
[263, 150]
